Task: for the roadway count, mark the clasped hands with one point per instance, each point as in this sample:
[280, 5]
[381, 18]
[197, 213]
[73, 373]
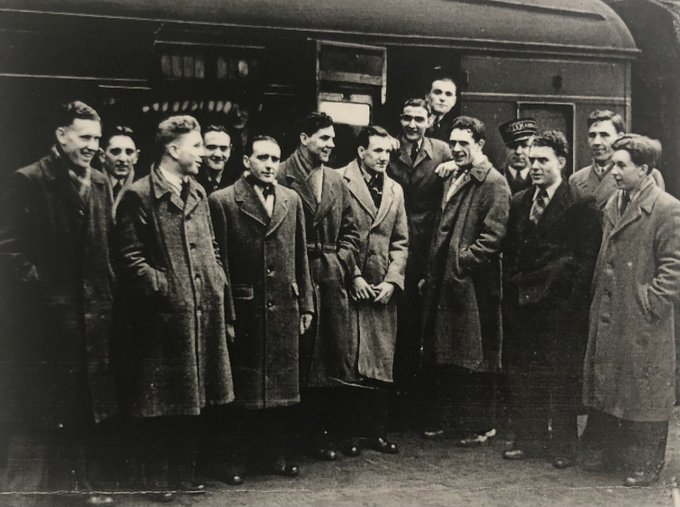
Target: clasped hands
[364, 291]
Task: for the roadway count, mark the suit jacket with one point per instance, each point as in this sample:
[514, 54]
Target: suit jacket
[630, 361]
[383, 250]
[328, 352]
[517, 183]
[441, 130]
[463, 289]
[267, 261]
[547, 273]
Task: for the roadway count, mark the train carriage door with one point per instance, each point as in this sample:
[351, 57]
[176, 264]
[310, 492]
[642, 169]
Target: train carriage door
[351, 83]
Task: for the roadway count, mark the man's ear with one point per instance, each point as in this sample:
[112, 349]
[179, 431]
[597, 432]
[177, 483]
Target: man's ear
[102, 157]
[481, 144]
[134, 158]
[360, 151]
[304, 139]
[646, 169]
[563, 162]
[173, 151]
[60, 134]
[246, 161]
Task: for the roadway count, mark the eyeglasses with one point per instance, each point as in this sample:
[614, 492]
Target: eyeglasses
[407, 118]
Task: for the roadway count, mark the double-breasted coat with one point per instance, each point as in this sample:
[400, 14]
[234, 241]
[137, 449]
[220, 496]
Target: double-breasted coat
[630, 361]
[178, 297]
[462, 303]
[383, 250]
[328, 353]
[271, 285]
[55, 254]
[547, 271]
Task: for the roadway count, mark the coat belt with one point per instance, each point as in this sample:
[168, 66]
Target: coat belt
[317, 249]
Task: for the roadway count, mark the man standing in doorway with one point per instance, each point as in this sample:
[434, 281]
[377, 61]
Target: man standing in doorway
[442, 98]
[517, 136]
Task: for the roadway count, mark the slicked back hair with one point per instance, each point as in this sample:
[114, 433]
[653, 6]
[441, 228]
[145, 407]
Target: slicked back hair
[607, 115]
[366, 133]
[314, 122]
[417, 102]
[249, 145]
[75, 110]
[642, 149]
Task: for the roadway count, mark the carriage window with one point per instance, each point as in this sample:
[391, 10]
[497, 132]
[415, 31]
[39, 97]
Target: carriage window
[347, 112]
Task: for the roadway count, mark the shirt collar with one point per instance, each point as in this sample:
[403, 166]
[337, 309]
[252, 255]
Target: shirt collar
[550, 190]
[173, 179]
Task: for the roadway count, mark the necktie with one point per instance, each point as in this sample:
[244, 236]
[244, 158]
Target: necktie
[117, 188]
[539, 206]
[184, 194]
[625, 200]
[267, 188]
[375, 185]
[414, 152]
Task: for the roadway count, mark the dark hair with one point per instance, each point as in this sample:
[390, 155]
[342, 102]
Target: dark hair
[216, 128]
[417, 102]
[642, 149]
[607, 115]
[314, 122]
[553, 139]
[474, 125]
[75, 110]
[249, 145]
[366, 133]
[173, 127]
[118, 130]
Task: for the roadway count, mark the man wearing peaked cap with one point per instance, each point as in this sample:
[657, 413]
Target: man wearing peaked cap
[517, 136]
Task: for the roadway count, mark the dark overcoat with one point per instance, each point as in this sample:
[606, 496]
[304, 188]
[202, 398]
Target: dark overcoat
[55, 254]
[630, 360]
[547, 272]
[383, 251]
[267, 261]
[328, 354]
[178, 295]
[462, 324]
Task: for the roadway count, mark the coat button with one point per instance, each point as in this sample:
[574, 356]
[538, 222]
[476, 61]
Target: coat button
[192, 246]
[270, 271]
[270, 304]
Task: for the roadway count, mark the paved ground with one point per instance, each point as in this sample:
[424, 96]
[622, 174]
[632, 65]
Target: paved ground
[424, 474]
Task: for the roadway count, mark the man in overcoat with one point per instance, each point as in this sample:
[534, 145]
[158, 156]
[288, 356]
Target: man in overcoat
[462, 290]
[629, 377]
[328, 351]
[378, 278]
[260, 229]
[118, 157]
[214, 173]
[182, 312]
[549, 255]
[442, 98]
[413, 167]
[54, 246]
[517, 136]
[604, 127]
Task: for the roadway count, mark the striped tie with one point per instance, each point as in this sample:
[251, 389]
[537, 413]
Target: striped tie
[539, 206]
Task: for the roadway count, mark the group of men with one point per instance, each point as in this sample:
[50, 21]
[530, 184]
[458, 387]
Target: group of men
[199, 309]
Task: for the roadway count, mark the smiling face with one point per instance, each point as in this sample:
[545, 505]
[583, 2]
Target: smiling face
[264, 161]
[414, 121]
[187, 151]
[546, 166]
[464, 147]
[601, 136]
[80, 141]
[442, 96]
[627, 175]
[217, 148]
[320, 144]
[120, 156]
[376, 156]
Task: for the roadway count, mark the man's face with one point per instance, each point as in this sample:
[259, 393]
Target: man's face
[376, 156]
[413, 123]
[442, 96]
[217, 148]
[80, 141]
[187, 150]
[120, 156]
[546, 166]
[518, 153]
[264, 161]
[464, 147]
[320, 144]
[601, 136]
[628, 176]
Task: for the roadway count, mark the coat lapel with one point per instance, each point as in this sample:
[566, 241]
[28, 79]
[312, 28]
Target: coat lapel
[248, 202]
[280, 209]
[555, 208]
[358, 188]
[327, 203]
[644, 202]
[161, 187]
[196, 194]
[386, 202]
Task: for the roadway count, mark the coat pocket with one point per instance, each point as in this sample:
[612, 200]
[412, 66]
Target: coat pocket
[243, 292]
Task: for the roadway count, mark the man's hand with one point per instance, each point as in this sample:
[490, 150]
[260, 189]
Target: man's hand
[385, 291]
[396, 144]
[231, 333]
[361, 290]
[305, 322]
[446, 169]
[421, 287]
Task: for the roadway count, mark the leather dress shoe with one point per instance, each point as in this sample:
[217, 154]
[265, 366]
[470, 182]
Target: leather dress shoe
[641, 479]
[380, 444]
[433, 433]
[515, 454]
[351, 448]
[477, 439]
[562, 462]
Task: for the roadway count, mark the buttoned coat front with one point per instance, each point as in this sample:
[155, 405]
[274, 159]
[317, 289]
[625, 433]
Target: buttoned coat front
[328, 353]
[178, 297]
[630, 360]
[271, 285]
[462, 323]
[383, 250]
[59, 279]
